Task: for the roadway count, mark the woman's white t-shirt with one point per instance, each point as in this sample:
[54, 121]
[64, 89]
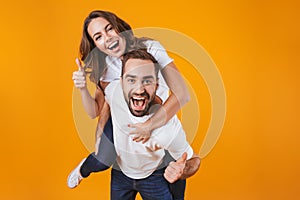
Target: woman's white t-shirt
[114, 67]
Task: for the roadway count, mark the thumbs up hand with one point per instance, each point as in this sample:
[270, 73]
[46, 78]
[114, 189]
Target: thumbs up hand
[79, 76]
[175, 169]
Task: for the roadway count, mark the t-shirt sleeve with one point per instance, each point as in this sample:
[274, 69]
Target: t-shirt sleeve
[172, 138]
[158, 52]
[109, 91]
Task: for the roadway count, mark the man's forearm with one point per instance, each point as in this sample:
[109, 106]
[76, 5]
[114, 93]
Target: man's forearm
[191, 167]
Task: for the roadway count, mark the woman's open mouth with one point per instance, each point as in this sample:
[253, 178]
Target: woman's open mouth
[113, 45]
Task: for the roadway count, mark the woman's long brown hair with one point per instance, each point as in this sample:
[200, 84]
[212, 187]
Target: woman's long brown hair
[93, 58]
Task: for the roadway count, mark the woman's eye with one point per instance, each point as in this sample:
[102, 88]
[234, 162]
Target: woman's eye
[97, 38]
[109, 28]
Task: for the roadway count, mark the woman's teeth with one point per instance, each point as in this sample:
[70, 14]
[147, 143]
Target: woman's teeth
[113, 45]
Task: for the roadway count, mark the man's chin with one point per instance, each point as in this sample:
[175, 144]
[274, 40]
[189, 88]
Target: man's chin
[138, 113]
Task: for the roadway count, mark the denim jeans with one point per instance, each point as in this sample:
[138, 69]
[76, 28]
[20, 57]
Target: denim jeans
[154, 187]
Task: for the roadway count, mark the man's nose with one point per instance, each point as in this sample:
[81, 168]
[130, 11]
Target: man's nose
[140, 88]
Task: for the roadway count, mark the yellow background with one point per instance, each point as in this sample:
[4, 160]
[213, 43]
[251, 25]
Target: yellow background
[255, 45]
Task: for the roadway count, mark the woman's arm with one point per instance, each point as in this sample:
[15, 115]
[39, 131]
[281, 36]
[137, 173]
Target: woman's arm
[92, 105]
[179, 96]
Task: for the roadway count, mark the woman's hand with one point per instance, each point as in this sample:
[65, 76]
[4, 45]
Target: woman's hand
[92, 105]
[141, 131]
[79, 76]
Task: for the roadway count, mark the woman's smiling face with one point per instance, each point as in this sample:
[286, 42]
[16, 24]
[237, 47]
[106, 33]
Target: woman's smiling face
[106, 38]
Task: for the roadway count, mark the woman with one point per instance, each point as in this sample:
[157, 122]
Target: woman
[105, 39]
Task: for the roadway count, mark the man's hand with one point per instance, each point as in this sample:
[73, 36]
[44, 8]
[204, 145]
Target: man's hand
[174, 170]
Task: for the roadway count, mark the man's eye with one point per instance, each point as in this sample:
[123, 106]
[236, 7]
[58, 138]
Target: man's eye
[130, 80]
[147, 82]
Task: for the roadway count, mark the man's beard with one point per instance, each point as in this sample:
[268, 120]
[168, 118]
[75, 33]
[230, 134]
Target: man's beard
[145, 111]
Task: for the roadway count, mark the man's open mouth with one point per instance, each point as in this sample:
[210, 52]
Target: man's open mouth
[138, 103]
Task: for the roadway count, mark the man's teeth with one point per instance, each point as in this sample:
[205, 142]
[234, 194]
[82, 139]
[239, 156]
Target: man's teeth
[137, 98]
[138, 101]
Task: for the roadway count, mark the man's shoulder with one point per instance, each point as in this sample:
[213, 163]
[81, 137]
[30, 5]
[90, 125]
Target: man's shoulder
[170, 130]
[112, 88]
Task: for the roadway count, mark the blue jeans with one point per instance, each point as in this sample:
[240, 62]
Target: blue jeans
[154, 187]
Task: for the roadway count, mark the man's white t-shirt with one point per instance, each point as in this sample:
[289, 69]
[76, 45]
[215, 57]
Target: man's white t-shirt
[114, 67]
[135, 159]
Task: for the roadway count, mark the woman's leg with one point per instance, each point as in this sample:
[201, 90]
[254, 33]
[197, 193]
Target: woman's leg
[94, 163]
[106, 153]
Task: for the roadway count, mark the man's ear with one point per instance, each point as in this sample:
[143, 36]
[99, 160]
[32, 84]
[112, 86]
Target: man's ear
[157, 84]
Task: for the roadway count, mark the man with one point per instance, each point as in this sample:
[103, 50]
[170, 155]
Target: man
[131, 100]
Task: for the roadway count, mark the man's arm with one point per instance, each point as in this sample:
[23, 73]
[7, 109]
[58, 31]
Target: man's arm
[182, 168]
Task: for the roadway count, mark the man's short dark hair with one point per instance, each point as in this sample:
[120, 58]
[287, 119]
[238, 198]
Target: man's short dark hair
[139, 54]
